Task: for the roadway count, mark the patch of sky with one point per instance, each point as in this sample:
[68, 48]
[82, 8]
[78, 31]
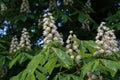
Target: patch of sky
[58, 3]
[40, 41]
[4, 29]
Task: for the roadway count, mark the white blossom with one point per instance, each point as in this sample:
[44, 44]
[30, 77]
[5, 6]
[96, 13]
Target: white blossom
[25, 7]
[24, 40]
[50, 30]
[106, 40]
[68, 2]
[14, 45]
[3, 7]
[72, 47]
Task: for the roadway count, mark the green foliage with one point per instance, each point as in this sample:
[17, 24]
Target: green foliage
[52, 63]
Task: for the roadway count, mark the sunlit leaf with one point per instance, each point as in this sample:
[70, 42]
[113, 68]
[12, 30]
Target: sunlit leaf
[91, 66]
[112, 65]
[64, 58]
[40, 76]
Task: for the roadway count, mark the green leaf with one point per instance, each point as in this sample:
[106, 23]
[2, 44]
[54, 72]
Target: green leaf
[63, 57]
[65, 17]
[23, 18]
[83, 50]
[76, 77]
[63, 76]
[30, 16]
[50, 64]
[16, 77]
[96, 64]
[34, 63]
[22, 58]
[1, 46]
[112, 65]
[30, 77]
[91, 66]
[14, 61]
[28, 55]
[40, 76]
[2, 61]
[91, 46]
[23, 75]
[82, 16]
[116, 26]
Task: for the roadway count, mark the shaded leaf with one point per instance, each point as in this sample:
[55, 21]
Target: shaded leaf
[50, 64]
[14, 61]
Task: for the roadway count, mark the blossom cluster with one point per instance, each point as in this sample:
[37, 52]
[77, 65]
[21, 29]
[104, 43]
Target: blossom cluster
[52, 4]
[68, 2]
[14, 44]
[3, 7]
[25, 7]
[50, 30]
[106, 40]
[24, 42]
[72, 47]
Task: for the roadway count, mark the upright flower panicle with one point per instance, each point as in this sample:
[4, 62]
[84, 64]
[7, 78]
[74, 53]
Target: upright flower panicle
[14, 45]
[72, 47]
[24, 40]
[50, 30]
[25, 7]
[52, 4]
[68, 2]
[106, 40]
[3, 7]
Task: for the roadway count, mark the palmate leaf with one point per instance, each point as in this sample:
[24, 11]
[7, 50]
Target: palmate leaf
[101, 65]
[1, 46]
[16, 77]
[34, 63]
[28, 73]
[91, 66]
[32, 66]
[91, 46]
[38, 62]
[83, 16]
[30, 77]
[50, 65]
[13, 62]
[83, 50]
[21, 57]
[63, 58]
[40, 76]
[113, 66]
[2, 61]
[116, 26]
